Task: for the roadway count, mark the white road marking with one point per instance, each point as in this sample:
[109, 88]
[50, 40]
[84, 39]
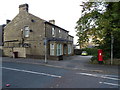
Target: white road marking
[111, 75]
[109, 83]
[101, 76]
[110, 78]
[51, 75]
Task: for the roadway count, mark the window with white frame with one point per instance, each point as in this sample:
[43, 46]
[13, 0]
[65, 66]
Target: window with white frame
[53, 32]
[59, 49]
[26, 31]
[60, 34]
[51, 49]
[69, 49]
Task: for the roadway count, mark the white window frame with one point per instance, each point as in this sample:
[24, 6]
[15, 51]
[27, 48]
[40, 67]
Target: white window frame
[69, 49]
[26, 31]
[53, 31]
[60, 34]
[52, 48]
[59, 50]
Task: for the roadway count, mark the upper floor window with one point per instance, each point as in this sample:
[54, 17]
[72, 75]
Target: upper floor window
[59, 33]
[66, 35]
[26, 31]
[53, 32]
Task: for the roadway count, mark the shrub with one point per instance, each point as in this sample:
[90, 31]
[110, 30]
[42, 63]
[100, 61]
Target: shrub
[90, 51]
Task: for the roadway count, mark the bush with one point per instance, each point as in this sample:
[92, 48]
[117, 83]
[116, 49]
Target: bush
[94, 60]
[90, 51]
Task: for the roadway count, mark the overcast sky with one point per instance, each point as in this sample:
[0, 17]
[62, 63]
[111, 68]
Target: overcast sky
[65, 12]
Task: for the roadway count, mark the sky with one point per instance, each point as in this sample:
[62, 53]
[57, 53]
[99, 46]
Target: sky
[65, 12]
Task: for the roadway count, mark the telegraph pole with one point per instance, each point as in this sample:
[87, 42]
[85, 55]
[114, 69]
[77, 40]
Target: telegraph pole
[112, 41]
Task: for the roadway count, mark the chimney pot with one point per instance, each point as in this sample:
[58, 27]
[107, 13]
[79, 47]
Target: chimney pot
[52, 21]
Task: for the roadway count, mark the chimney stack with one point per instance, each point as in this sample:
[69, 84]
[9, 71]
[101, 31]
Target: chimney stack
[7, 21]
[23, 8]
[52, 21]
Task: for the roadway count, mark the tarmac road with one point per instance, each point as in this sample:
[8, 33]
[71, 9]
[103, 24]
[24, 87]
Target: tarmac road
[23, 75]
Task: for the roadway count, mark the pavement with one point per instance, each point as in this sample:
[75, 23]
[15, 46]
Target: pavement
[76, 62]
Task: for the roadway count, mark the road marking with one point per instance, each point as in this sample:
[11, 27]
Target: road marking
[111, 75]
[51, 75]
[113, 84]
[110, 78]
[99, 75]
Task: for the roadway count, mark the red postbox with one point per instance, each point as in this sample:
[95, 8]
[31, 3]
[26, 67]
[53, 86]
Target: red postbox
[100, 56]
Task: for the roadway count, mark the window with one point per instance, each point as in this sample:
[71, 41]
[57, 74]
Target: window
[32, 20]
[69, 49]
[59, 33]
[26, 31]
[59, 49]
[53, 32]
[51, 49]
[65, 35]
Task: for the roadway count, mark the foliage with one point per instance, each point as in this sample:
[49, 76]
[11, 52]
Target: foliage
[101, 21]
[87, 25]
[90, 51]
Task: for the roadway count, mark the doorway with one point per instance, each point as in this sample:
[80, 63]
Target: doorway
[65, 49]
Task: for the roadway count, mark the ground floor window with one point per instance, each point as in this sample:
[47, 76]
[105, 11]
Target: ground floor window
[52, 46]
[69, 49]
[59, 49]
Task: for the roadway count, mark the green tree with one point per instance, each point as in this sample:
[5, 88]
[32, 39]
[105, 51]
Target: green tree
[88, 24]
[100, 20]
[112, 27]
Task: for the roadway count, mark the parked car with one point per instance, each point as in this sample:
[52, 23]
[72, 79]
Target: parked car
[84, 53]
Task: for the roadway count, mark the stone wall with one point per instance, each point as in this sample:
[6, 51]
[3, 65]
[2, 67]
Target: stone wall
[36, 35]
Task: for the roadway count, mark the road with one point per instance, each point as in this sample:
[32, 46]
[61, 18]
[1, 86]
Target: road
[21, 75]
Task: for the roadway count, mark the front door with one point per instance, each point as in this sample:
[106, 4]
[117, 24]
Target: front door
[65, 49]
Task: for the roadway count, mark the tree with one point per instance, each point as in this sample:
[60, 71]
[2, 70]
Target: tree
[100, 20]
[112, 28]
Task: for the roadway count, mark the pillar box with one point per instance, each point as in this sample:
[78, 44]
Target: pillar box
[100, 55]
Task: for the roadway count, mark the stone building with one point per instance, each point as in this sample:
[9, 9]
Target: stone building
[34, 37]
[1, 34]
[1, 38]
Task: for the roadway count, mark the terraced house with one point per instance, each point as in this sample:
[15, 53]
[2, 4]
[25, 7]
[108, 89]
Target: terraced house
[34, 37]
